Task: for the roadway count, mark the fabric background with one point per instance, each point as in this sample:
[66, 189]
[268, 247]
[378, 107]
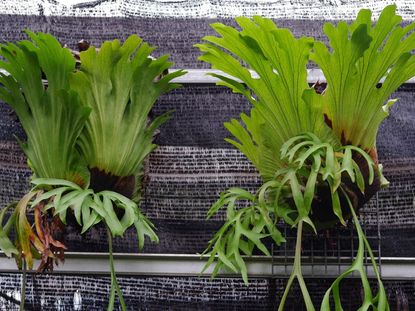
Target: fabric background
[193, 163]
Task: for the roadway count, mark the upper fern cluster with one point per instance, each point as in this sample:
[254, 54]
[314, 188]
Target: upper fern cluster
[351, 108]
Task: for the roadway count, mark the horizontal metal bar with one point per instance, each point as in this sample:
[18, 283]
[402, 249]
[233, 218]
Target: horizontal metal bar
[204, 76]
[192, 265]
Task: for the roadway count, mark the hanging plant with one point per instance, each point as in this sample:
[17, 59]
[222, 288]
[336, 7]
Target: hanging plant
[315, 151]
[88, 134]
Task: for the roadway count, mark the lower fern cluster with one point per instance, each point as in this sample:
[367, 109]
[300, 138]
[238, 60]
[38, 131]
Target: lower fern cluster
[290, 198]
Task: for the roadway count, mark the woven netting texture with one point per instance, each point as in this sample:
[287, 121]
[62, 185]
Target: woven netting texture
[77, 292]
[194, 163]
[190, 168]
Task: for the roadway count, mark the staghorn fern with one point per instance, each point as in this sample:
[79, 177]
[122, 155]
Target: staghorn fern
[88, 136]
[280, 111]
[118, 83]
[307, 145]
[361, 57]
[50, 146]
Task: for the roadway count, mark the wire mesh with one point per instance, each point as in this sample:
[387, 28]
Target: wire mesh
[330, 250]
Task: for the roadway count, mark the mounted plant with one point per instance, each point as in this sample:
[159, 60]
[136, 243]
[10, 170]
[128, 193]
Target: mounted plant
[315, 151]
[88, 134]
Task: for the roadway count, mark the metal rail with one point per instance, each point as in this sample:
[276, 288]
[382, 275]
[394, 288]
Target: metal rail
[203, 76]
[191, 265]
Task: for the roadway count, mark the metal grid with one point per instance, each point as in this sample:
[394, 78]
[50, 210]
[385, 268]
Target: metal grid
[331, 251]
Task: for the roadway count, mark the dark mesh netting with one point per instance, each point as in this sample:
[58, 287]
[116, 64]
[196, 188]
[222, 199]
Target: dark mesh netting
[172, 36]
[185, 176]
[193, 165]
[80, 292]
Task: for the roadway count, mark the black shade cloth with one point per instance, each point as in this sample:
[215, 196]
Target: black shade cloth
[187, 173]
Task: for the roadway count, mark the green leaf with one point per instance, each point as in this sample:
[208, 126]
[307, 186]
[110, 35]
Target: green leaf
[89, 217]
[6, 245]
[330, 168]
[243, 230]
[144, 228]
[228, 198]
[78, 202]
[110, 217]
[284, 212]
[24, 233]
[119, 83]
[266, 188]
[379, 302]
[49, 194]
[311, 151]
[65, 201]
[364, 55]
[383, 181]
[235, 86]
[335, 201]
[310, 223]
[54, 182]
[369, 161]
[360, 180]
[291, 154]
[111, 300]
[256, 239]
[297, 195]
[50, 146]
[8, 226]
[247, 147]
[234, 250]
[122, 202]
[280, 112]
[310, 190]
[288, 144]
[347, 164]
